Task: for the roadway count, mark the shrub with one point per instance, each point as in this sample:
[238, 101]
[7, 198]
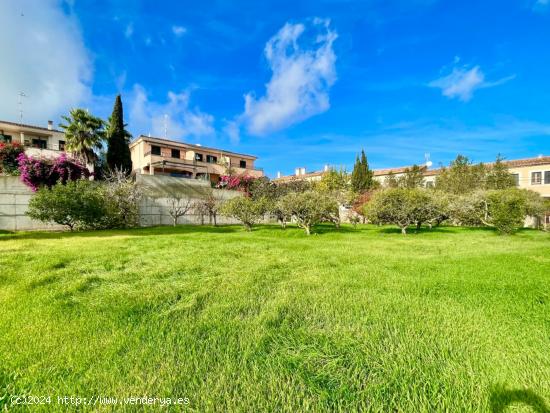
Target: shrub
[122, 197]
[9, 152]
[245, 210]
[400, 206]
[77, 205]
[36, 173]
[308, 208]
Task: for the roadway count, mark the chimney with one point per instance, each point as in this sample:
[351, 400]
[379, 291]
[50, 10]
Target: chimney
[300, 171]
[278, 174]
[50, 125]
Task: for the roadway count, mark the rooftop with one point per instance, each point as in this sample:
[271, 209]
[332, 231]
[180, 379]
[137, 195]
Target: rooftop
[513, 163]
[24, 125]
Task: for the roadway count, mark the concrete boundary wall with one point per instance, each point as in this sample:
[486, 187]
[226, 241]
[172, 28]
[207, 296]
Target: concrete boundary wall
[14, 202]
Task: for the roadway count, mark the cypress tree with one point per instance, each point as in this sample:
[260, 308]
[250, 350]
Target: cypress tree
[362, 176]
[118, 138]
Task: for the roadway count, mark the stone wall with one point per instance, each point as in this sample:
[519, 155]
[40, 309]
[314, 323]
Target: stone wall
[14, 201]
[159, 190]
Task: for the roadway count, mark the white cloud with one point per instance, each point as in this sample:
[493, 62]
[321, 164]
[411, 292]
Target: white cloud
[181, 121]
[303, 69]
[461, 83]
[179, 30]
[44, 56]
[129, 31]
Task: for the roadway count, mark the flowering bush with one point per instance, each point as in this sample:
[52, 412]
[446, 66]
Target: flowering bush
[36, 173]
[9, 152]
[238, 183]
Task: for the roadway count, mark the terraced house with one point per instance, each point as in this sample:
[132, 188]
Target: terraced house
[529, 173]
[158, 156]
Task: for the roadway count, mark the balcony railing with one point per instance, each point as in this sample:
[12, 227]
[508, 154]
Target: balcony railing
[197, 163]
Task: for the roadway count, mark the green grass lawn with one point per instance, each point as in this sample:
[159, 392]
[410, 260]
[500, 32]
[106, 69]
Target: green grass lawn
[355, 320]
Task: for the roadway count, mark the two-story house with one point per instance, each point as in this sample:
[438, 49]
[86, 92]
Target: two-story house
[38, 141]
[158, 156]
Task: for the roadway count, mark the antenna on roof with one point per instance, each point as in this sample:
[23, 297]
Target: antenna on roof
[20, 103]
[427, 158]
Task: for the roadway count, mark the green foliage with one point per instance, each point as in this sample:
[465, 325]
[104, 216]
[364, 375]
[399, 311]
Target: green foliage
[263, 188]
[361, 176]
[336, 184]
[9, 152]
[246, 210]
[401, 206]
[121, 197]
[498, 176]
[308, 208]
[84, 134]
[118, 139]
[412, 177]
[77, 205]
[461, 177]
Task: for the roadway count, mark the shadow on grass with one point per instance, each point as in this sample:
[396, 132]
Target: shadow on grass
[414, 231]
[134, 232]
[501, 398]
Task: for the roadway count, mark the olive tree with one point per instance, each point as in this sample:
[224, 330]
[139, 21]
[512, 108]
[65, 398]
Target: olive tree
[400, 206]
[244, 209]
[308, 208]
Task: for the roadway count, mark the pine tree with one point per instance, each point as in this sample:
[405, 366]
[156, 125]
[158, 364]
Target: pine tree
[118, 138]
[367, 173]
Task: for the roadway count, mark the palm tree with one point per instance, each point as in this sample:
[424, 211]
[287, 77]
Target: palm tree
[84, 134]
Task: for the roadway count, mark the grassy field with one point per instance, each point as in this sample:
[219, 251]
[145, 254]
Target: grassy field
[355, 320]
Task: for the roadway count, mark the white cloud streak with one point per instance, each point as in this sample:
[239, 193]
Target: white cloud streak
[44, 56]
[461, 83]
[302, 60]
[179, 30]
[180, 119]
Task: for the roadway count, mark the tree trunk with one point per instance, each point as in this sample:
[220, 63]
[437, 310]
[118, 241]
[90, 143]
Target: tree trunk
[308, 229]
[418, 225]
[215, 223]
[175, 219]
[248, 227]
[404, 230]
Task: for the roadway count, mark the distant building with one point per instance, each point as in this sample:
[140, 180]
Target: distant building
[157, 156]
[529, 173]
[38, 141]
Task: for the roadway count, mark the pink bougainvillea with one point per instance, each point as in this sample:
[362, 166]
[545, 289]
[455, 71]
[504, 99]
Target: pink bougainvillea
[237, 182]
[36, 173]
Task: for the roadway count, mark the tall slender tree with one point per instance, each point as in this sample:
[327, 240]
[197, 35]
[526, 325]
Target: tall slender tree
[361, 176]
[84, 134]
[118, 138]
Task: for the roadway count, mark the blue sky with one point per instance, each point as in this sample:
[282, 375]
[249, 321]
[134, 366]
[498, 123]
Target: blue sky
[297, 83]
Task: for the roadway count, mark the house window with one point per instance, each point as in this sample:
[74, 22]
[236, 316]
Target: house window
[516, 179]
[242, 164]
[61, 145]
[211, 159]
[547, 177]
[5, 138]
[198, 157]
[536, 178]
[39, 143]
[176, 153]
[155, 150]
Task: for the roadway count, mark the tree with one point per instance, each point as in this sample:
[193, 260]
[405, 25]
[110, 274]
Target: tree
[244, 209]
[400, 206]
[391, 181]
[412, 177]
[498, 176]
[84, 134]
[208, 205]
[122, 197]
[118, 139]
[78, 204]
[461, 177]
[178, 207]
[361, 176]
[336, 184]
[308, 208]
